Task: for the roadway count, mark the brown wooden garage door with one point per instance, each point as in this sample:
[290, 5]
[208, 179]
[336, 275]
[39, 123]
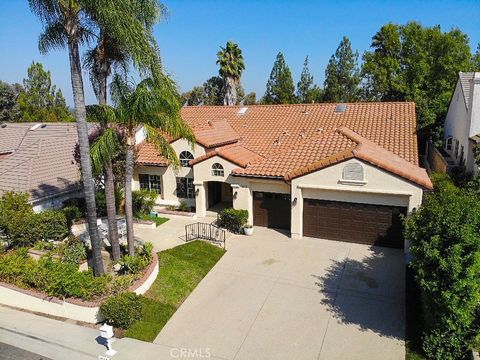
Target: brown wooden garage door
[271, 210]
[358, 223]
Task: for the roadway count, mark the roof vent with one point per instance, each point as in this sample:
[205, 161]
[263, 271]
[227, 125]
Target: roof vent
[242, 110]
[38, 126]
[341, 108]
[209, 122]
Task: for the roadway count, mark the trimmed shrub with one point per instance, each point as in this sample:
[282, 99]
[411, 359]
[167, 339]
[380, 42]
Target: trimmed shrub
[136, 264]
[233, 219]
[122, 310]
[444, 235]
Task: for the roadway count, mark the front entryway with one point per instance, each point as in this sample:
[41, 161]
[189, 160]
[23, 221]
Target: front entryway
[358, 223]
[271, 210]
[220, 195]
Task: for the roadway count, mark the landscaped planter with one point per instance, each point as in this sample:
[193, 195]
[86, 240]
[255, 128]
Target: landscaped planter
[174, 212]
[76, 309]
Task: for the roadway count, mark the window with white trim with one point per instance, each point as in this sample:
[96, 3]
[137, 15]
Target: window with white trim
[150, 183]
[185, 188]
[185, 157]
[353, 172]
[217, 170]
[457, 145]
[448, 143]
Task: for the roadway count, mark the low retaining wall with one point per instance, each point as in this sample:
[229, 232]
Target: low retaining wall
[76, 309]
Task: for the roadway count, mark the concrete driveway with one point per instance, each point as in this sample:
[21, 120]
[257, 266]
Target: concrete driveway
[272, 297]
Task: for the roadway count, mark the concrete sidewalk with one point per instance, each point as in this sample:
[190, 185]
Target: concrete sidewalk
[65, 341]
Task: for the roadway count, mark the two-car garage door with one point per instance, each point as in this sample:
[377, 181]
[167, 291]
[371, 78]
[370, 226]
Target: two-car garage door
[358, 223]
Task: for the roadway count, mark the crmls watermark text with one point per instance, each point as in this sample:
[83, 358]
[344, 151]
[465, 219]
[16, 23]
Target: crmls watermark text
[189, 353]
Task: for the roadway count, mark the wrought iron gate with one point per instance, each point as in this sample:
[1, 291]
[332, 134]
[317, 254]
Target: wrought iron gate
[205, 231]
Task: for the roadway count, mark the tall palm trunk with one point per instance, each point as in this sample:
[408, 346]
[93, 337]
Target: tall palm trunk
[108, 168]
[88, 185]
[128, 191]
[230, 92]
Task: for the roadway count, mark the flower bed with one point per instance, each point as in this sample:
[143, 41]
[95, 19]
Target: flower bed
[73, 308]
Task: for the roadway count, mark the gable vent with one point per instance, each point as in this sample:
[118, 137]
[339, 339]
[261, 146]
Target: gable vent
[341, 108]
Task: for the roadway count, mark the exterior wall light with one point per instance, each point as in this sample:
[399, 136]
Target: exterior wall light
[197, 191]
[294, 202]
[235, 194]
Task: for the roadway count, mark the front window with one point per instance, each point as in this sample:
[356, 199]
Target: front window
[150, 182]
[457, 145]
[185, 157]
[448, 144]
[185, 188]
[217, 170]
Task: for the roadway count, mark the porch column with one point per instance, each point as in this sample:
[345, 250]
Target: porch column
[200, 199]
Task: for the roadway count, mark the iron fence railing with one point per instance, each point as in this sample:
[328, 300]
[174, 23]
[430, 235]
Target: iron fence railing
[206, 232]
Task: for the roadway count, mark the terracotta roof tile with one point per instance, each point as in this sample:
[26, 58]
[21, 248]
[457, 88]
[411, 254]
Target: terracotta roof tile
[234, 153]
[215, 133]
[147, 154]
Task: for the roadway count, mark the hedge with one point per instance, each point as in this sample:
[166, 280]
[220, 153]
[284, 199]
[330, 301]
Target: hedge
[232, 219]
[122, 310]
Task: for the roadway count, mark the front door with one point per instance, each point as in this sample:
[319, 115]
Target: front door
[214, 193]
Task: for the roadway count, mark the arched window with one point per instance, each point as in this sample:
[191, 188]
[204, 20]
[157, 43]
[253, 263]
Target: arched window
[217, 170]
[353, 172]
[185, 157]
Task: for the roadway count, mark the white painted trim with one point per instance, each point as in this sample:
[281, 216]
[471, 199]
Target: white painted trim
[352, 182]
[360, 190]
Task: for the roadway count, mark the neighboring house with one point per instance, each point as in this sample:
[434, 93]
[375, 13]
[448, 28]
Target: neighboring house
[334, 171]
[462, 123]
[39, 159]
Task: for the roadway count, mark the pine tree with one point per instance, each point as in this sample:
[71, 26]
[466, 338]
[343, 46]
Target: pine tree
[342, 77]
[280, 87]
[41, 101]
[307, 91]
[476, 59]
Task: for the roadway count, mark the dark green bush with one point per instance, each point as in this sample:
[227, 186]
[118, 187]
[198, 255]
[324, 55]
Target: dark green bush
[79, 203]
[72, 213]
[233, 219]
[143, 201]
[445, 244]
[122, 310]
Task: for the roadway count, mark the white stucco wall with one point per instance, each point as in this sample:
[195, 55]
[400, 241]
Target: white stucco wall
[380, 187]
[168, 174]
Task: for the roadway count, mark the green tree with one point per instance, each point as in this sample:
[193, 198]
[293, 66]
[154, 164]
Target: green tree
[193, 97]
[307, 91]
[280, 87]
[231, 63]
[444, 235]
[41, 101]
[250, 98]
[342, 77]
[381, 69]
[213, 91]
[476, 59]
[154, 104]
[114, 49]
[8, 101]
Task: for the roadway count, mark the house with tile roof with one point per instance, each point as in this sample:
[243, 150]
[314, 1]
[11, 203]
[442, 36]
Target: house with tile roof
[462, 123]
[333, 171]
[38, 159]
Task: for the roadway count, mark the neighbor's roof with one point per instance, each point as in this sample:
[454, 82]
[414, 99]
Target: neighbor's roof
[39, 161]
[466, 83]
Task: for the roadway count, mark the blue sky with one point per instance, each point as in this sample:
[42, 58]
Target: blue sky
[190, 38]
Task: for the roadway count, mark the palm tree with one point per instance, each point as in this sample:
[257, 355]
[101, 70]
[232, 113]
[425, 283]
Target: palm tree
[154, 104]
[231, 63]
[115, 49]
[66, 24]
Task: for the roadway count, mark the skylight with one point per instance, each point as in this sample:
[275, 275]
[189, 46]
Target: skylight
[242, 110]
[341, 108]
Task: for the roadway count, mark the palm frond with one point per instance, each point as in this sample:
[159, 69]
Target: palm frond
[52, 37]
[104, 149]
[155, 137]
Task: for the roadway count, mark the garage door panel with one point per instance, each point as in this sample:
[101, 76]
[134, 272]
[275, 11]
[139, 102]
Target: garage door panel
[359, 223]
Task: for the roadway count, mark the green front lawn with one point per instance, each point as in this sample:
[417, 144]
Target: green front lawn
[181, 269]
[158, 220]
